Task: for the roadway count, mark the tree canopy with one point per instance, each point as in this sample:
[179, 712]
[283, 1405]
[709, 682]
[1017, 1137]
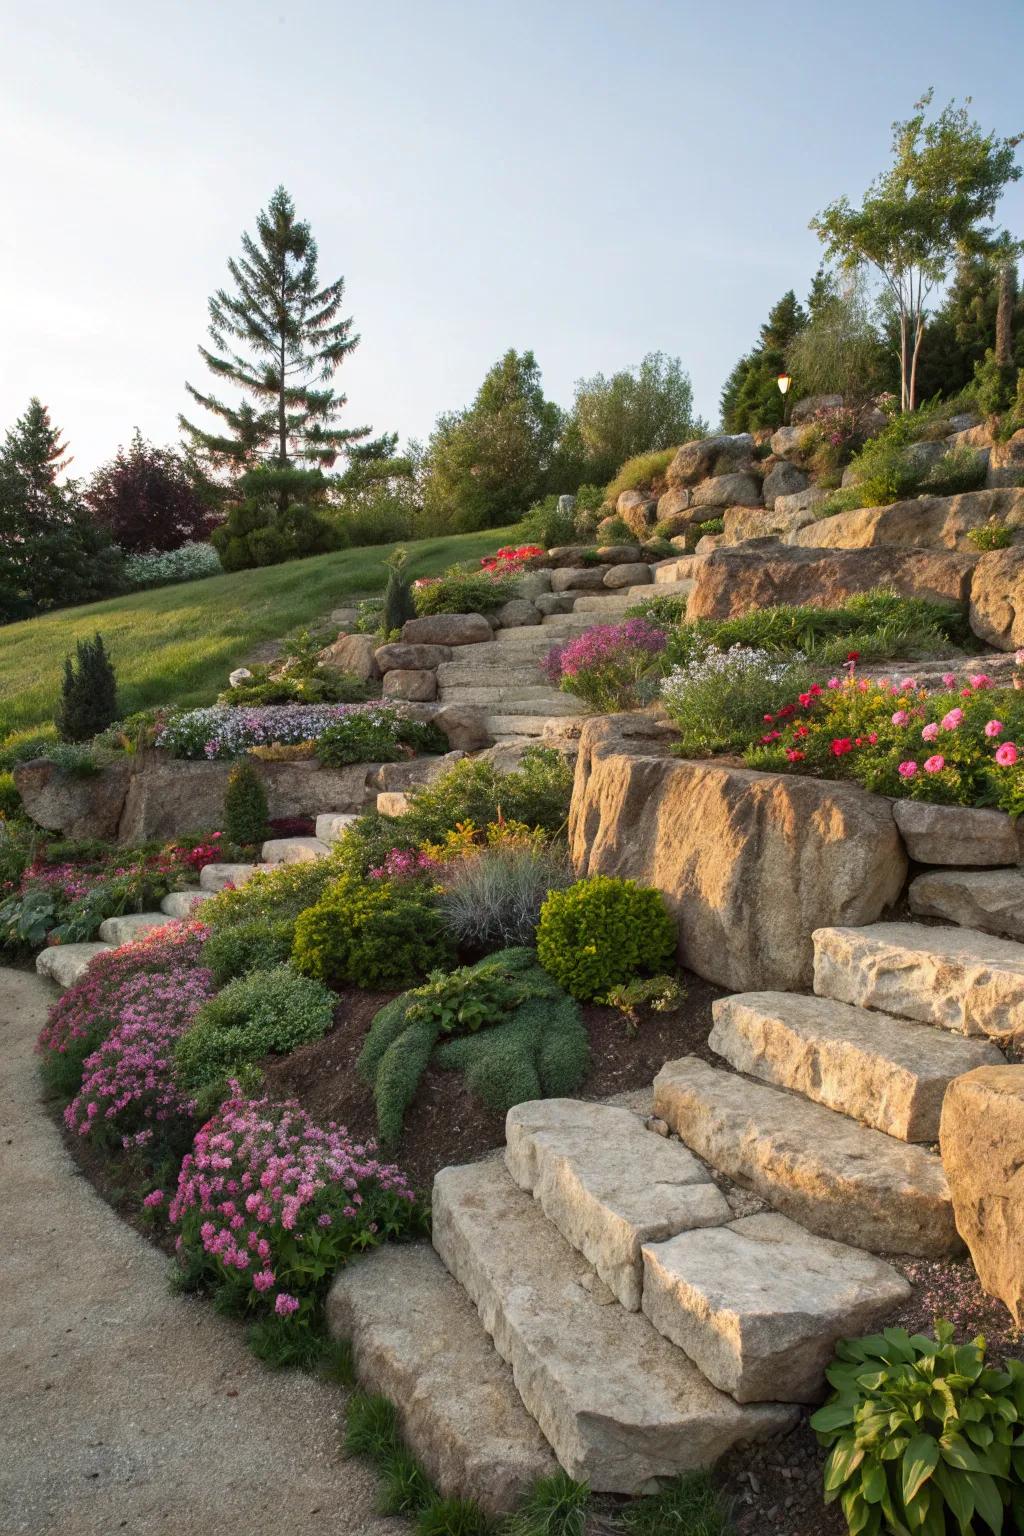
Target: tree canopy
[636, 410]
[750, 397]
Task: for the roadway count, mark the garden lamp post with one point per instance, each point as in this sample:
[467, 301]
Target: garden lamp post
[784, 380]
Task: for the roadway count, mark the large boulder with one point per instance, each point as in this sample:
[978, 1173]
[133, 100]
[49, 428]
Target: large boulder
[447, 629]
[638, 511]
[736, 490]
[715, 839]
[743, 523]
[783, 479]
[76, 807]
[997, 598]
[519, 612]
[674, 507]
[584, 578]
[981, 1137]
[793, 443]
[801, 501]
[928, 522]
[354, 654]
[1006, 462]
[733, 581]
[635, 574]
[707, 456]
[416, 684]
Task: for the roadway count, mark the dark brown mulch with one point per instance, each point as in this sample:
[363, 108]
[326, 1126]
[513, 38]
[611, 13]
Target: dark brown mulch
[444, 1125]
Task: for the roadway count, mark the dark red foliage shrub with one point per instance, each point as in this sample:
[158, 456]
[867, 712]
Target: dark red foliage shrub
[145, 500]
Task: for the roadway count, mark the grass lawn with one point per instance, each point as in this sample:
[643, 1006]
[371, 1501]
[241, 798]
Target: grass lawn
[176, 645]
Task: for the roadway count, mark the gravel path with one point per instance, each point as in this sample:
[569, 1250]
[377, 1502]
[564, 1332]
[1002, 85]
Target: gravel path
[123, 1408]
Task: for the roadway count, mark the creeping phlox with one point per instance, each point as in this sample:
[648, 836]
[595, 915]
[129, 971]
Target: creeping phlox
[895, 736]
[605, 665]
[269, 1204]
[221, 731]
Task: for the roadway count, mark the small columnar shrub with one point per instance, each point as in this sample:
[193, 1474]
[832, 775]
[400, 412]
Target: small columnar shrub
[245, 805]
[269, 1205]
[602, 932]
[264, 1012]
[88, 700]
[923, 1435]
[370, 933]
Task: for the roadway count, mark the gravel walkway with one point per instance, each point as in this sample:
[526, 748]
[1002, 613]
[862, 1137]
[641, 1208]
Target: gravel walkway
[123, 1408]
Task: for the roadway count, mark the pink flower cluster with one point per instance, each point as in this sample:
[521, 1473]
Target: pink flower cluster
[262, 1181]
[128, 1083]
[404, 864]
[90, 1007]
[603, 644]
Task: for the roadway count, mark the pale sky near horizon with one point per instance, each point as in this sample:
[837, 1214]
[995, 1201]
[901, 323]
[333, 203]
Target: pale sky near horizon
[590, 180]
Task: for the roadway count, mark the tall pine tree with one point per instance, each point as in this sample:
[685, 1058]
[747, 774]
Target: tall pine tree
[278, 335]
[750, 397]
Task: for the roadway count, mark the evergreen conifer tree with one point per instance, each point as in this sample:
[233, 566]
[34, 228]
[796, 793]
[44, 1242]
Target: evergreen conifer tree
[245, 806]
[279, 336]
[88, 701]
[751, 395]
[398, 603]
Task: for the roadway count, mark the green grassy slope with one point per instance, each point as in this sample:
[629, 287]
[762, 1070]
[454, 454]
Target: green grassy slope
[177, 644]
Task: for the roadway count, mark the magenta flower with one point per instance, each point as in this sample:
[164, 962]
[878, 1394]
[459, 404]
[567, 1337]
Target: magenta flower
[907, 770]
[1006, 755]
[934, 764]
[900, 717]
[949, 678]
[285, 1305]
[930, 731]
[951, 721]
[994, 728]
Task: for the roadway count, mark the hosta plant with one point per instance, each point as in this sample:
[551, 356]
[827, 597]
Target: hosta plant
[924, 1437]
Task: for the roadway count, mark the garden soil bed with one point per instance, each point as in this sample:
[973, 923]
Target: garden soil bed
[444, 1124]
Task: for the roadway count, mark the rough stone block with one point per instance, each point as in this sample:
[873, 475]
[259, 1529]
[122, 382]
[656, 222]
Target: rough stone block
[982, 1139]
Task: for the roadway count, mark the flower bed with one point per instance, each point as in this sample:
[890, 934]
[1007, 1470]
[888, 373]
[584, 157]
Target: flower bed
[609, 667]
[960, 745]
[339, 733]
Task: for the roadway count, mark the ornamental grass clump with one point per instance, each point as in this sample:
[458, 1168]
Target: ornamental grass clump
[269, 1205]
[961, 745]
[130, 1094]
[603, 932]
[610, 667]
[923, 1436]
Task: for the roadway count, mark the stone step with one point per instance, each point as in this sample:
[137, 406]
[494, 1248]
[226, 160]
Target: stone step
[65, 964]
[665, 588]
[181, 904]
[131, 925]
[759, 1304]
[332, 826]
[504, 726]
[218, 877]
[884, 1071]
[672, 572]
[294, 850]
[619, 1404]
[416, 1338]
[555, 706]
[837, 1178]
[969, 982]
[514, 674]
[494, 693]
[990, 900]
[608, 1184]
[613, 606]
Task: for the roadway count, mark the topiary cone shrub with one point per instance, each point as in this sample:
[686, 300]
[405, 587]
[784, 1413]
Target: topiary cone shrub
[601, 932]
[88, 700]
[245, 806]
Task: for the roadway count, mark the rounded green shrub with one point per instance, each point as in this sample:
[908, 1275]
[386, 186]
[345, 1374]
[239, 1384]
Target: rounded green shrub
[273, 1010]
[371, 933]
[253, 945]
[602, 932]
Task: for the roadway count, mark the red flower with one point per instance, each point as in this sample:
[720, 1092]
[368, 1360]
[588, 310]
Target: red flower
[800, 730]
[768, 719]
[816, 690]
[805, 700]
[794, 754]
[786, 711]
[771, 736]
[853, 655]
[841, 745]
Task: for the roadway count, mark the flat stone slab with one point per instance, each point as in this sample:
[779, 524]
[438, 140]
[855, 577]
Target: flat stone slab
[955, 834]
[131, 925]
[294, 850]
[759, 1304]
[884, 1071]
[218, 877]
[836, 1177]
[621, 1406]
[183, 903]
[66, 963]
[332, 826]
[608, 1184]
[417, 1339]
[991, 900]
[966, 981]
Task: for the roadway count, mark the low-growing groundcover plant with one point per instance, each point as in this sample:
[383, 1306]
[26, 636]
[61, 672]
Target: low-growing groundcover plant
[924, 1436]
[380, 735]
[269, 1205]
[264, 1012]
[717, 698]
[370, 933]
[603, 932]
[503, 1023]
[87, 1011]
[610, 667]
[254, 944]
[351, 730]
[463, 591]
[963, 745]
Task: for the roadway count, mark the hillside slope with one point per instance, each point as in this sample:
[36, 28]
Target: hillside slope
[176, 645]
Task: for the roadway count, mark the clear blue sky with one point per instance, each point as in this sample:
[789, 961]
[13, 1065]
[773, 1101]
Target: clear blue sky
[593, 180]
